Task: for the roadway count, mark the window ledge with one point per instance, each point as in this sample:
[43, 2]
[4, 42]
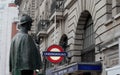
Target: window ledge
[117, 16]
[108, 22]
[112, 19]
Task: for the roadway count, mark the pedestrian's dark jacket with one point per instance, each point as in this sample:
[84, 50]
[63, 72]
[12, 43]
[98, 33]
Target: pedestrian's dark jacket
[23, 53]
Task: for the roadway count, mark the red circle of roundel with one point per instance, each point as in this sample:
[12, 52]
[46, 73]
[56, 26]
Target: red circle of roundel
[60, 57]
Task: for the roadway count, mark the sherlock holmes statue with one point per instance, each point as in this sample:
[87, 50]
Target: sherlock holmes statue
[24, 56]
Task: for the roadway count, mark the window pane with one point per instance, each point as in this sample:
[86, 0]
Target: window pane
[88, 54]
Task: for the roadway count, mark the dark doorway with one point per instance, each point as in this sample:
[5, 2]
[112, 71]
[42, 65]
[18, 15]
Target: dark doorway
[86, 73]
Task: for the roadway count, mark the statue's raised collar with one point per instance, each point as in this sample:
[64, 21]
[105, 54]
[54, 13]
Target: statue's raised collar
[23, 30]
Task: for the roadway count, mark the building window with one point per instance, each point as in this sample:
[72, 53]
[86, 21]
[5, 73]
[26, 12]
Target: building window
[88, 52]
[64, 44]
[88, 33]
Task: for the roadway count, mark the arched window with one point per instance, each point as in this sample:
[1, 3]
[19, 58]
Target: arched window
[88, 52]
[63, 43]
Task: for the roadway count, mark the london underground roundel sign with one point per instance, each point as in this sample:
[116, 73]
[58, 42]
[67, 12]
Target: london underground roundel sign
[55, 54]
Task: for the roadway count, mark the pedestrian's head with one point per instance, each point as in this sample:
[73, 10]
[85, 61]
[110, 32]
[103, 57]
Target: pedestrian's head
[26, 21]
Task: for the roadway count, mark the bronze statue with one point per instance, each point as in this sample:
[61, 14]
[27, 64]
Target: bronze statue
[24, 56]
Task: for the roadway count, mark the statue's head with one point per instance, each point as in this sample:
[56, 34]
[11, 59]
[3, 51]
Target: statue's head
[26, 21]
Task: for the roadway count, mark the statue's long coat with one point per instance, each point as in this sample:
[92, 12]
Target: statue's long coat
[23, 54]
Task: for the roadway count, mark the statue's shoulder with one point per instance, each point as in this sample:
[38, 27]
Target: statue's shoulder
[20, 36]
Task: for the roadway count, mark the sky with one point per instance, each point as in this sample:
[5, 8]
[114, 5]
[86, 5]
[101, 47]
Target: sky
[4, 3]
[6, 0]
[7, 15]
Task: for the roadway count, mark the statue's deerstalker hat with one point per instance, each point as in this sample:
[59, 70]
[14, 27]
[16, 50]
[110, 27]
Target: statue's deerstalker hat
[25, 19]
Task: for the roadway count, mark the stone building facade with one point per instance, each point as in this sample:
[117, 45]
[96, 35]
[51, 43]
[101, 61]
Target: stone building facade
[87, 29]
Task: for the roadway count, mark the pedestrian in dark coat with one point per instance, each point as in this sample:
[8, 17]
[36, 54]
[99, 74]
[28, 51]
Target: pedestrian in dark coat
[24, 56]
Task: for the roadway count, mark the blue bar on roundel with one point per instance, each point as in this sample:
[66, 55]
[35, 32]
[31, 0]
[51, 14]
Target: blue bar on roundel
[54, 53]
